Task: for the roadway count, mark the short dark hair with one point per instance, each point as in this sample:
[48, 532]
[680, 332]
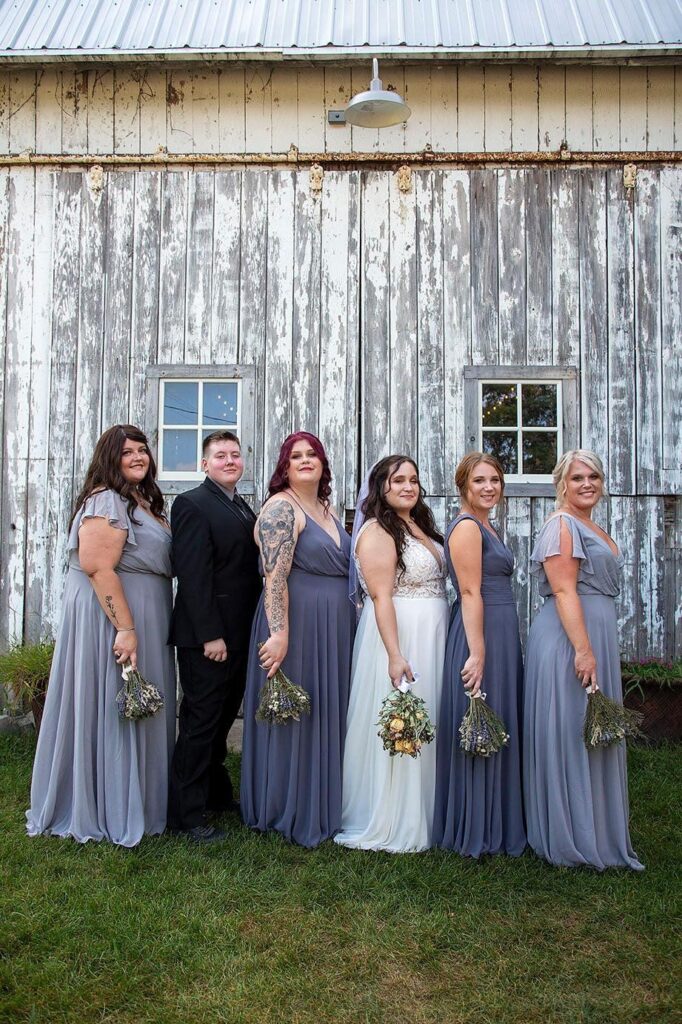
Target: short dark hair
[218, 435]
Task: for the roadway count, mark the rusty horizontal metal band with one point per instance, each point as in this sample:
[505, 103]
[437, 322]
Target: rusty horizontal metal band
[425, 158]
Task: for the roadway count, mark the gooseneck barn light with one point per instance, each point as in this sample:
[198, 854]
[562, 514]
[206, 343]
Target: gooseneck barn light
[377, 108]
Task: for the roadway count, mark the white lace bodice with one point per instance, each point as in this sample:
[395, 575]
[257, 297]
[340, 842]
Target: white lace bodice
[424, 576]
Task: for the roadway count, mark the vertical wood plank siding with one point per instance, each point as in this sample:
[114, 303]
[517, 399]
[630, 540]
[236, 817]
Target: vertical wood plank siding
[516, 108]
[359, 306]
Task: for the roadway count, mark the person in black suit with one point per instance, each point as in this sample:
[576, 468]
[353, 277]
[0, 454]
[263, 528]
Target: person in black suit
[215, 559]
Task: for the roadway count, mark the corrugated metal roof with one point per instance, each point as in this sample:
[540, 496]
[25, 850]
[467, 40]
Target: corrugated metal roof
[167, 26]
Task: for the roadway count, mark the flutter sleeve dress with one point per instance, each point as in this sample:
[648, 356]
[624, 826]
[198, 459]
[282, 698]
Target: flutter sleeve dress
[576, 800]
[98, 776]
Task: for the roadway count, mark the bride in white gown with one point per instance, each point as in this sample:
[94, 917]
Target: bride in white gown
[388, 802]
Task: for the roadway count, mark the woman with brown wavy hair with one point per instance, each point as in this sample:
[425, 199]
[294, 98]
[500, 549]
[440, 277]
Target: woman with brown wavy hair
[388, 801]
[97, 776]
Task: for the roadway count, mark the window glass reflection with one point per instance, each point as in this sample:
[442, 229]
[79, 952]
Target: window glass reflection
[499, 405]
[180, 451]
[538, 405]
[220, 404]
[180, 401]
[539, 452]
[502, 444]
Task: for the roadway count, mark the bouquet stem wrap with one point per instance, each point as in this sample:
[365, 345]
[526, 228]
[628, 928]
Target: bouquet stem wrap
[404, 723]
[481, 731]
[137, 698]
[607, 721]
[281, 700]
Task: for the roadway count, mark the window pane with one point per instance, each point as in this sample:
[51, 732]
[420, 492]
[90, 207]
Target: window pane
[502, 445]
[539, 452]
[180, 451]
[180, 401]
[538, 405]
[499, 405]
[220, 404]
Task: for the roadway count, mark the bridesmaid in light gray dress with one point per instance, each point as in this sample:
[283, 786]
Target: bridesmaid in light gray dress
[97, 776]
[576, 800]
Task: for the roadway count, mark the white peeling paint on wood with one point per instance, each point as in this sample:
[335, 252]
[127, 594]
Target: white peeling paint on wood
[511, 257]
[498, 108]
[456, 314]
[649, 385]
[524, 109]
[277, 422]
[404, 376]
[101, 109]
[606, 109]
[470, 109]
[37, 468]
[49, 113]
[359, 286]
[18, 402]
[671, 323]
[4, 263]
[430, 409]
[579, 108]
[62, 486]
[22, 110]
[226, 257]
[306, 339]
[551, 107]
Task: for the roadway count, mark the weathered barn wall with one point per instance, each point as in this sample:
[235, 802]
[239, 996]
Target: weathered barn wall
[359, 306]
[265, 109]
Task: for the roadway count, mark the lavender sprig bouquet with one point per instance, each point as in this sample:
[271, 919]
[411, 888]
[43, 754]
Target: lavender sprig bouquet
[404, 723]
[481, 731]
[137, 698]
[281, 700]
[607, 721]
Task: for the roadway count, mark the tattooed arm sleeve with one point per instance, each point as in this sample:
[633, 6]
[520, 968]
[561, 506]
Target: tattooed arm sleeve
[277, 541]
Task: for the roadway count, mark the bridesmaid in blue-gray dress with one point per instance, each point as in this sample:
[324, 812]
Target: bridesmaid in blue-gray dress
[576, 800]
[478, 800]
[95, 775]
[291, 773]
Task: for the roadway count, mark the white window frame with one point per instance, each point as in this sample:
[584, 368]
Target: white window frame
[566, 379]
[526, 478]
[174, 482]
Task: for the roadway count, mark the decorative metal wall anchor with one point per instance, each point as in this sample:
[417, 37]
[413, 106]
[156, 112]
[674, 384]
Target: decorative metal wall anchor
[316, 176]
[404, 178]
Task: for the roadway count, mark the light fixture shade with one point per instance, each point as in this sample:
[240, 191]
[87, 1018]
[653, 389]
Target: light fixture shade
[377, 108]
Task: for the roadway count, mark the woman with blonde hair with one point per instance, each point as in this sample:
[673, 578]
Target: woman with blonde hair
[478, 799]
[576, 799]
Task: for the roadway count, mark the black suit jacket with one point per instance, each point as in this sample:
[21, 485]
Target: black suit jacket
[215, 559]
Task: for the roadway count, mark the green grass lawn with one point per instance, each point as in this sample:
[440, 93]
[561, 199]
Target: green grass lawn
[255, 929]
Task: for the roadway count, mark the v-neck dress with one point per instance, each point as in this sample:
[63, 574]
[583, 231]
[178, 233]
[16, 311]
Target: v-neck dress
[291, 773]
[97, 776]
[576, 800]
[388, 801]
[479, 806]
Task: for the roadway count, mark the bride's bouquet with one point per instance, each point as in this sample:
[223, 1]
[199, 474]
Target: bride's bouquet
[137, 698]
[607, 721]
[481, 731]
[281, 700]
[404, 723]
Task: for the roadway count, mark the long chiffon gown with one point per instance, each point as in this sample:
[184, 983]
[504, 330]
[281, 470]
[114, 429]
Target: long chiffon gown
[97, 776]
[388, 801]
[479, 807]
[576, 800]
[291, 773]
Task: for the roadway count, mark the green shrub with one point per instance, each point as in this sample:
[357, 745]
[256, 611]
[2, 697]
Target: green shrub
[24, 672]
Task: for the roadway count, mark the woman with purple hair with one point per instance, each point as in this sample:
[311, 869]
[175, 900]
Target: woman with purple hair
[291, 773]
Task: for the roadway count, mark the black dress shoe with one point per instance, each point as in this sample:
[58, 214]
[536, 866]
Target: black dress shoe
[202, 833]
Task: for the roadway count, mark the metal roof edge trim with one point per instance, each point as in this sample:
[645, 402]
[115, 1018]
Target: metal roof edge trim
[605, 53]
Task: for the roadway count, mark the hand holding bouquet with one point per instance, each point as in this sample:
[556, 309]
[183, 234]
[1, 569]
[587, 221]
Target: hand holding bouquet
[137, 698]
[404, 723]
[481, 731]
[281, 700]
[607, 721]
